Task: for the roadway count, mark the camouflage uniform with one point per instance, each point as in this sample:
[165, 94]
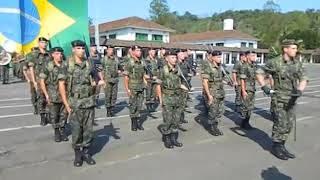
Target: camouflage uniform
[286, 75]
[135, 70]
[170, 82]
[57, 112]
[247, 73]
[236, 69]
[110, 66]
[38, 61]
[215, 78]
[152, 71]
[81, 97]
[185, 68]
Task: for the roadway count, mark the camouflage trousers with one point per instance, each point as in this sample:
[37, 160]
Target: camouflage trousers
[215, 110]
[150, 92]
[81, 121]
[237, 99]
[272, 106]
[171, 112]
[184, 101]
[135, 103]
[42, 103]
[34, 97]
[248, 105]
[58, 115]
[5, 74]
[283, 121]
[111, 92]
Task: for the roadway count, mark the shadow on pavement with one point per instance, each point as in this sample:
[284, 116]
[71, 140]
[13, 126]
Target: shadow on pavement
[273, 173]
[102, 137]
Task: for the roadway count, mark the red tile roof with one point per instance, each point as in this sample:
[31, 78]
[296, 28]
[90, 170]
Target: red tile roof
[133, 22]
[212, 35]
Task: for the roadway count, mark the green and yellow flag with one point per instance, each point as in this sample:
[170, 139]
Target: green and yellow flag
[61, 21]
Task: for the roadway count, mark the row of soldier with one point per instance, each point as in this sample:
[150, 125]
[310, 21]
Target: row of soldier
[69, 89]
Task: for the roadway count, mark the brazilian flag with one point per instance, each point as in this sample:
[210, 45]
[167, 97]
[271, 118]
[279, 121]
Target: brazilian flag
[61, 21]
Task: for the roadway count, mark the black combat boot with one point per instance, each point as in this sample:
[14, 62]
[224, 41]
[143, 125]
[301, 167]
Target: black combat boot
[35, 110]
[57, 135]
[87, 157]
[139, 124]
[286, 152]
[43, 120]
[167, 142]
[246, 125]
[182, 119]
[78, 158]
[214, 130]
[64, 136]
[134, 124]
[109, 114]
[277, 151]
[174, 140]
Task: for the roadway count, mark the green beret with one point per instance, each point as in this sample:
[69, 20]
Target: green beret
[56, 49]
[288, 42]
[43, 39]
[170, 52]
[76, 43]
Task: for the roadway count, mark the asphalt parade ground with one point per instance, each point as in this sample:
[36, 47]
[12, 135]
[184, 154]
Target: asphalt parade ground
[28, 151]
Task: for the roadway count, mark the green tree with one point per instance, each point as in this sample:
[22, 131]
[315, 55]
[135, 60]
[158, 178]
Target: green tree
[159, 11]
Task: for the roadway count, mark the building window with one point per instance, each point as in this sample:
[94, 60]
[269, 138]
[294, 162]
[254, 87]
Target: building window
[156, 37]
[219, 44]
[141, 37]
[112, 36]
[243, 44]
[250, 45]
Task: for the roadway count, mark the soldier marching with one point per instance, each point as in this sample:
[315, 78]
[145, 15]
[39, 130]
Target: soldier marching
[65, 91]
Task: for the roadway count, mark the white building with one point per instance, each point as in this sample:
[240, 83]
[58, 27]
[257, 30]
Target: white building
[228, 38]
[133, 29]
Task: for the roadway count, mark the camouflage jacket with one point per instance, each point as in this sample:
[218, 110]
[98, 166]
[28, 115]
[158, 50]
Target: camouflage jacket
[215, 79]
[50, 75]
[152, 67]
[78, 78]
[236, 69]
[110, 67]
[135, 70]
[38, 61]
[248, 73]
[170, 82]
[286, 75]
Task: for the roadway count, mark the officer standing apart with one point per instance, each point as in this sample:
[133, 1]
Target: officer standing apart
[76, 86]
[49, 86]
[110, 65]
[134, 82]
[248, 88]
[38, 60]
[236, 80]
[212, 82]
[169, 93]
[290, 80]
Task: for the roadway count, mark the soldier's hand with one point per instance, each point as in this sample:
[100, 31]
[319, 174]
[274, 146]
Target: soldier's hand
[129, 93]
[102, 83]
[69, 110]
[35, 84]
[210, 99]
[244, 95]
[235, 84]
[48, 100]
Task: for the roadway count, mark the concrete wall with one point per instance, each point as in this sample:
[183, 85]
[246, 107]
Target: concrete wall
[227, 42]
[129, 34]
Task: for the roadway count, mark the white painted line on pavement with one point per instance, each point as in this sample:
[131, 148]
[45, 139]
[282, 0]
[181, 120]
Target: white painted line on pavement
[304, 118]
